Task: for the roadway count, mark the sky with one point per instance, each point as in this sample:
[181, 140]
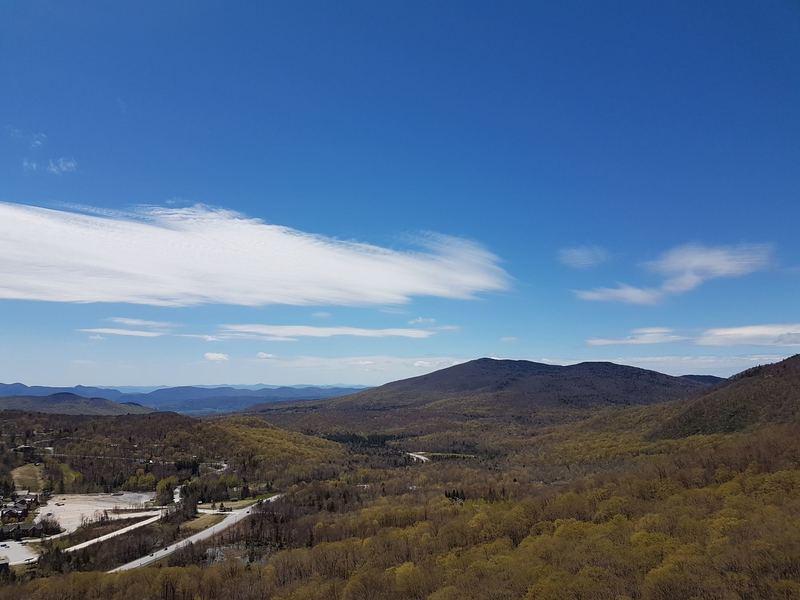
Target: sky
[356, 192]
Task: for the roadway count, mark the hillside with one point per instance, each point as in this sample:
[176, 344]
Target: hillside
[758, 396]
[505, 390]
[71, 404]
[521, 384]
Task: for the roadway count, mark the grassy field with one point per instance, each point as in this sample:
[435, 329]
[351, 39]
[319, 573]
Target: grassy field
[69, 473]
[28, 477]
[202, 522]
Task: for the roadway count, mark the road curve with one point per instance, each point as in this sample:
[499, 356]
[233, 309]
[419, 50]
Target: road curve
[419, 457]
[230, 519]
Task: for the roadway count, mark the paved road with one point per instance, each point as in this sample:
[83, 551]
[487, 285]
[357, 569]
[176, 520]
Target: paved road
[230, 519]
[419, 457]
[108, 536]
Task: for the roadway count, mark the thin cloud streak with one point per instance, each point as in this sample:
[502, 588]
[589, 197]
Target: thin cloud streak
[777, 335]
[644, 335]
[124, 332]
[199, 255]
[754, 335]
[292, 332]
[582, 257]
[141, 323]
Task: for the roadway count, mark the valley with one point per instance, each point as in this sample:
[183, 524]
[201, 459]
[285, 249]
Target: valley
[601, 498]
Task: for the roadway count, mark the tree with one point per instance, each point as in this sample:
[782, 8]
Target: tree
[165, 491]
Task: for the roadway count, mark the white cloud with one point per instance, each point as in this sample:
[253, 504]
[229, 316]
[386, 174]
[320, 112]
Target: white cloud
[30, 166]
[621, 293]
[197, 255]
[292, 332]
[62, 165]
[126, 332]
[685, 268]
[644, 335]
[34, 139]
[264, 356]
[752, 335]
[422, 321]
[582, 257]
[141, 323]
[216, 356]
[37, 140]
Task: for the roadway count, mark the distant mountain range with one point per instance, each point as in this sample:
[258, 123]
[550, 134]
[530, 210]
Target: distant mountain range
[192, 400]
[64, 403]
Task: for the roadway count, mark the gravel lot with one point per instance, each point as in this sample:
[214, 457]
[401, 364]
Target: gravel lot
[74, 508]
[16, 552]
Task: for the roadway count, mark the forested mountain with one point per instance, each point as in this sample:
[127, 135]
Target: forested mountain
[71, 404]
[758, 396]
[526, 384]
[488, 389]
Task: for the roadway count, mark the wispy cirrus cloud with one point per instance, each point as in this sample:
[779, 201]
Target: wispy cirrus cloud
[778, 335]
[216, 356]
[124, 332]
[641, 336]
[752, 335]
[622, 293]
[582, 257]
[142, 323]
[685, 268]
[293, 332]
[143, 328]
[422, 321]
[199, 255]
[33, 139]
[62, 165]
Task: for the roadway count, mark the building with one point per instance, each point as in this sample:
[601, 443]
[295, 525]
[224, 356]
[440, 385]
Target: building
[18, 531]
[13, 513]
[26, 499]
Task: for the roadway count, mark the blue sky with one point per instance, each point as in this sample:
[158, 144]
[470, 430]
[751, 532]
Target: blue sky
[404, 185]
